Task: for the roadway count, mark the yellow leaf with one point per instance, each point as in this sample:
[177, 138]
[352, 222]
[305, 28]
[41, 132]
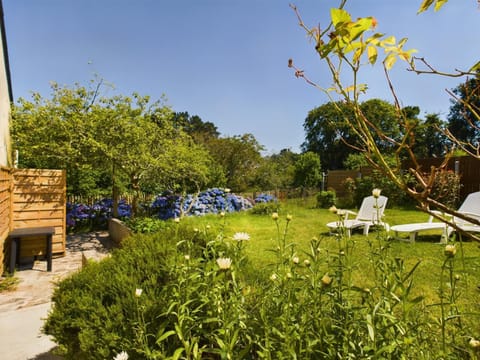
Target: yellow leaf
[389, 61]
[388, 41]
[425, 5]
[357, 55]
[402, 42]
[475, 67]
[439, 4]
[372, 54]
[339, 16]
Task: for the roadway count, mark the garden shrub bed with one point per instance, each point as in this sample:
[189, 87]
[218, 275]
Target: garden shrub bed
[190, 292]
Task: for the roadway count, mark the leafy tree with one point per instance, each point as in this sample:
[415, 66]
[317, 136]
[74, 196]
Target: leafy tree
[239, 157]
[276, 171]
[329, 133]
[194, 126]
[308, 171]
[464, 115]
[137, 138]
[54, 133]
[130, 141]
[430, 139]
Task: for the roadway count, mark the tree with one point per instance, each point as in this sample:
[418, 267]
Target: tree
[239, 156]
[308, 172]
[464, 115]
[194, 126]
[430, 139]
[55, 133]
[127, 139]
[276, 171]
[329, 134]
[137, 138]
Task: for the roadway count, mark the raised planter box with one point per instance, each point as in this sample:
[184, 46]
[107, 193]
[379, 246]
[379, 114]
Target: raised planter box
[118, 231]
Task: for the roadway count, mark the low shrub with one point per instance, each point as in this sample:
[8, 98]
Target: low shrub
[146, 225]
[8, 283]
[446, 188]
[265, 208]
[326, 199]
[265, 204]
[186, 293]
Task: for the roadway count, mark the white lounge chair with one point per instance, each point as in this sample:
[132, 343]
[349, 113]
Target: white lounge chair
[414, 228]
[471, 208]
[369, 214]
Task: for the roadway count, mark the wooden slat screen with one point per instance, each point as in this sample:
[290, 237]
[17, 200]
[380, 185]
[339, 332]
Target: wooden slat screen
[39, 199]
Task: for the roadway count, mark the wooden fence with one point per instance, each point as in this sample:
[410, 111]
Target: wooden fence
[336, 178]
[6, 183]
[31, 198]
[467, 167]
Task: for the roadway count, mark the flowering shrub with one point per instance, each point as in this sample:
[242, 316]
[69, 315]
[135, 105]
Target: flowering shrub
[165, 206]
[265, 204]
[81, 216]
[264, 198]
[185, 293]
[211, 201]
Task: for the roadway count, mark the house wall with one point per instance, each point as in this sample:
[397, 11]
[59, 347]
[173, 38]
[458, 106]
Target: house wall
[5, 98]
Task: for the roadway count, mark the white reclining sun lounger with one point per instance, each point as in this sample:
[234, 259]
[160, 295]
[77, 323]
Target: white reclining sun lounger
[368, 215]
[470, 207]
[414, 228]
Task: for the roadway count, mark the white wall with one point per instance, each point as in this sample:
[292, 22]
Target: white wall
[4, 113]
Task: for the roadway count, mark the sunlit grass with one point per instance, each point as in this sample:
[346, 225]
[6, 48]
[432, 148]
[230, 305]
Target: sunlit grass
[309, 222]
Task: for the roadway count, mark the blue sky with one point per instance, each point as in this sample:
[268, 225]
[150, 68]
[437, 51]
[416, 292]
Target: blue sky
[226, 60]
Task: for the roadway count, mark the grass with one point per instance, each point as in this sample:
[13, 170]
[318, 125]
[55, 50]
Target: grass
[8, 283]
[309, 222]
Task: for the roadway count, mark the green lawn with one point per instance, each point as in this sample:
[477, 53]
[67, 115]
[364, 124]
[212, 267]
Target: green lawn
[308, 222]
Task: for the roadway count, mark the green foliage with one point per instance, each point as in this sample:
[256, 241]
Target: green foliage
[146, 225]
[95, 313]
[128, 142]
[8, 283]
[464, 116]
[239, 157]
[276, 171]
[326, 199]
[329, 130]
[364, 186]
[201, 298]
[265, 208]
[308, 172]
[446, 188]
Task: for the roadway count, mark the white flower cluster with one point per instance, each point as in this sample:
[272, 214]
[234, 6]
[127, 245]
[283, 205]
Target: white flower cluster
[241, 236]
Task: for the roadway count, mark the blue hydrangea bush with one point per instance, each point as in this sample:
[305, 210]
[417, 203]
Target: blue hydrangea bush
[211, 201]
[165, 206]
[84, 217]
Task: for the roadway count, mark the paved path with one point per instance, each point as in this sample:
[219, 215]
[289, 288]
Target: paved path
[22, 310]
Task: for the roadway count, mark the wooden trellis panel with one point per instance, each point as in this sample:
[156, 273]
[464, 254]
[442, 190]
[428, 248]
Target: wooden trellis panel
[39, 199]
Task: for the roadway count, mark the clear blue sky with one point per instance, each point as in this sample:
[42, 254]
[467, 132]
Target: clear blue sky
[226, 60]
